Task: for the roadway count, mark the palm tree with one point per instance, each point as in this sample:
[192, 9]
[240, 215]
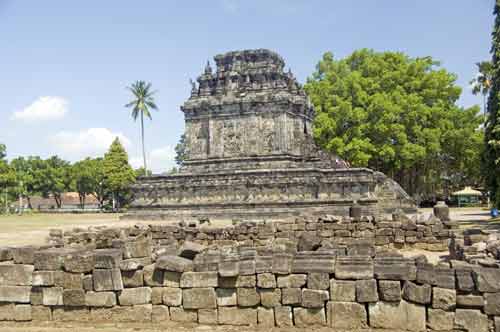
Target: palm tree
[482, 83]
[141, 104]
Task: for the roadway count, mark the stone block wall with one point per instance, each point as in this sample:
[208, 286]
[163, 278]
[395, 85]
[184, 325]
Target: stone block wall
[245, 285]
[397, 231]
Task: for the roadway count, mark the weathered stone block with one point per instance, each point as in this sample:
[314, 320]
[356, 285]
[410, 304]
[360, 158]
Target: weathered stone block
[470, 301]
[247, 297]
[160, 314]
[107, 280]
[237, 316]
[172, 296]
[444, 299]
[226, 297]
[24, 255]
[136, 313]
[7, 311]
[229, 266]
[440, 320]
[68, 280]
[346, 315]
[207, 316]
[282, 263]
[154, 277]
[394, 268]
[342, 290]
[71, 314]
[156, 295]
[134, 296]
[107, 258]
[172, 279]
[136, 249]
[312, 298]
[49, 259]
[389, 290]
[400, 316]
[16, 275]
[199, 279]
[100, 299]
[199, 298]
[465, 282]
[265, 317]
[266, 280]
[16, 294]
[366, 291]
[307, 317]
[174, 263]
[492, 304]
[132, 279]
[354, 267]
[52, 296]
[263, 264]
[270, 298]
[319, 281]
[36, 296]
[416, 293]
[190, 249]
[313, 261]
[283, 316]
[291, 296]
[182, 315]
[442, 277]
[487, 279]
[22, 312]
[43, 278]
[79, 262]
[74, 297]
[133, 264]
[40, 313]
[471, 320]
[292, 281]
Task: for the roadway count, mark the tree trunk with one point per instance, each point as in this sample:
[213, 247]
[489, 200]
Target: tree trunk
[143, 146]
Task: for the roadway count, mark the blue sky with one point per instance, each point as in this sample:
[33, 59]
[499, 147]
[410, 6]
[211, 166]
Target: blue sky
[64, 65]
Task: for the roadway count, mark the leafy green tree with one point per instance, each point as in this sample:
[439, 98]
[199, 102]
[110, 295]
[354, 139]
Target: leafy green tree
[492, 125]
[7, 177]
[88, 177]
[141, 104]
[395, 114]
[180, 151]
[59, 178]
[142, 172]
[482, 83]
[118, 174]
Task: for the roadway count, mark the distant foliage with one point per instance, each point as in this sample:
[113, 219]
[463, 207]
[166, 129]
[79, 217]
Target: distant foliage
[492, 131]
[118, 174]
[399, 115]
[180, 151]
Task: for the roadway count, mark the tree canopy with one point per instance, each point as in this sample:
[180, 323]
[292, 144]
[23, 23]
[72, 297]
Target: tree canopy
[492, 125]
[396, 114]
[118, 174]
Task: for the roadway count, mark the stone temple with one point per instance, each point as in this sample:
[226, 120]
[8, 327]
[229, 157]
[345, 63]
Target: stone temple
[251, 155]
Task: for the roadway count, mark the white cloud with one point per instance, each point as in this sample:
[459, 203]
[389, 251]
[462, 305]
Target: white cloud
[159, 159]
[44, 108]
[92, 142]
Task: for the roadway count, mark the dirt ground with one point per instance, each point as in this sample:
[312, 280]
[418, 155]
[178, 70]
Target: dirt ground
[146, 327]
[33, 229]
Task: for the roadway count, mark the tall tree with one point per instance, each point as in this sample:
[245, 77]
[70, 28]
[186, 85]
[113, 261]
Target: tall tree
[395, 114]
[492, 125]
[141, 105]
[118, 174]
[482, 83]
[59, 178]
[180, 151]
[7, 177]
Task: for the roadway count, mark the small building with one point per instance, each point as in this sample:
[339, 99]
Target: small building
[467, 197]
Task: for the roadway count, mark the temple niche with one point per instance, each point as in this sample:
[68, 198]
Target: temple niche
[250, 153]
